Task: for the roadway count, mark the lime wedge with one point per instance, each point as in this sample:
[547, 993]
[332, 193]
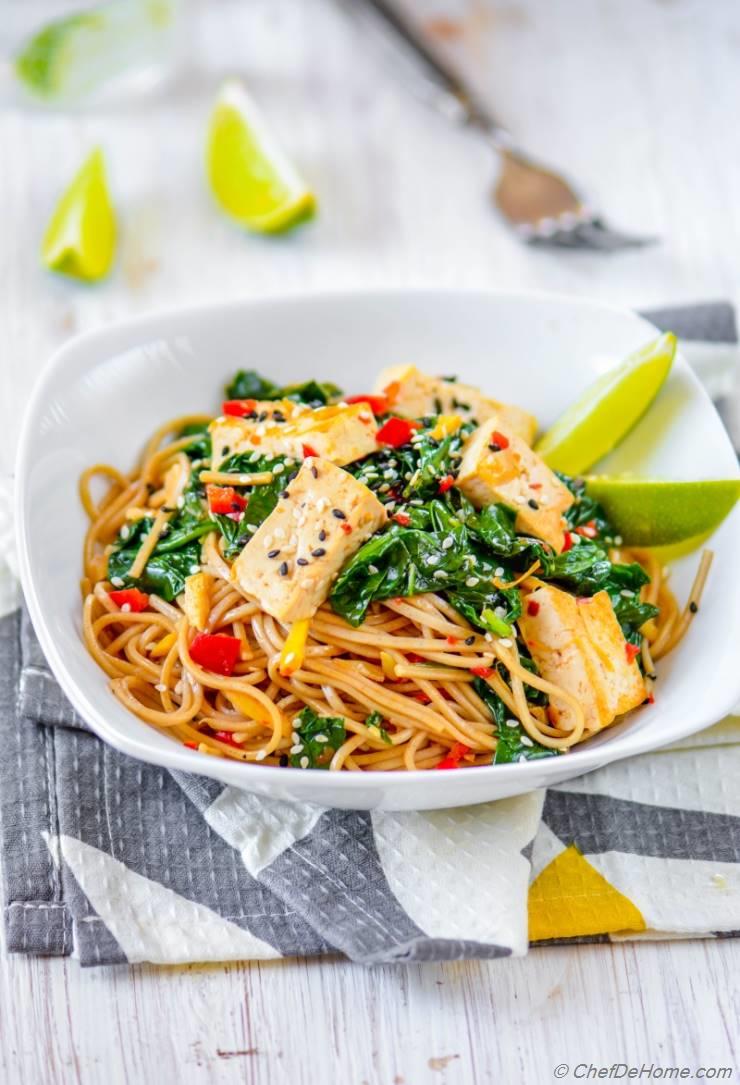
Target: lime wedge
[607, 410]
[651, 512]
[250, 176]
[76, 54]
[80, 240]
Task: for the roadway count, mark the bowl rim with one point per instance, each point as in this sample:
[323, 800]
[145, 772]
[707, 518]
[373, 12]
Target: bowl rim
[70, 359]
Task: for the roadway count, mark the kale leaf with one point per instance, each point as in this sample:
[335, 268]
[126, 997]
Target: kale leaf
[248, 384]
[320, 737]
[200, 447]
[375, 721]
[513, 743]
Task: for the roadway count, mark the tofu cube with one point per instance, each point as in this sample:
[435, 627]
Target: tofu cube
[340, 434]
[495, 471]
[413, 394]
[577, 643]
[292, 560]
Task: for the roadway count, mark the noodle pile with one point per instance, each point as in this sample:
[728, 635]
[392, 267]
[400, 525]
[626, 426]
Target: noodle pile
[413, 660]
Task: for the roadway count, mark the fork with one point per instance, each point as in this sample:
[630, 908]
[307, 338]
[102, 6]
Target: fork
[540, 205]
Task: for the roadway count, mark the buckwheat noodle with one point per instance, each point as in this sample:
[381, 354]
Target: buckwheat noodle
[428, 707]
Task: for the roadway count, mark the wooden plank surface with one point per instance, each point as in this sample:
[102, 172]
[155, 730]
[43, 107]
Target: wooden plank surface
[639, 101]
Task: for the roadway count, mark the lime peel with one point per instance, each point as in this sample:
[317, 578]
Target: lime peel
[608, 409]
[80, 240]
[659, 512]
[250, 175]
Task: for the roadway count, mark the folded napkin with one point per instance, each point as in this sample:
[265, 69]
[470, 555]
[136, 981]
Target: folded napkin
[113, 860]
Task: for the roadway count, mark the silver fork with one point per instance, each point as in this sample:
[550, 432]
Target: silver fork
[538, 203]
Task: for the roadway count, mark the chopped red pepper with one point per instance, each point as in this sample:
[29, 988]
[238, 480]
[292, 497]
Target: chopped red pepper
[535, 485]
[568, 541]
[239, 407]
[216, 652]
[224, 500]
[499, 439]
[347, 528]
[631, 650]
[402, 519]
[651, 699]
[396, 432]
[377, 404]
[589, 530]
[131, 598]
[308, 451]
[533, 608]
[227, 737]
[445, 484]
[412, 657]
[453, 640]
[454, 757]
[422, 698]
[482, 672]
[191, 745]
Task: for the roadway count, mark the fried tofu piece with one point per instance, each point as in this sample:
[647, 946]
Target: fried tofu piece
[413, 394]
[577, 643]
[292, 560]
[499, 468]
[340, 434]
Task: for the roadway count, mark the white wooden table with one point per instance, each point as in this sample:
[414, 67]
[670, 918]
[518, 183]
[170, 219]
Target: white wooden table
[639, 101]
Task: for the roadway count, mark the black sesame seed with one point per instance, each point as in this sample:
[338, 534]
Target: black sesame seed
[315, 472]
[532, 503]
[469, 640]
[226, 450]
[262, 416]
[283, 570]
[693, 607]
[494, 447]
[278, 416]
[322, 535]
[285, 493]
[251, 414]
[438, 405]
[273, 553]
[338, 514]
[283, 761]
[318, 552]
[292, 476]
[301, 561]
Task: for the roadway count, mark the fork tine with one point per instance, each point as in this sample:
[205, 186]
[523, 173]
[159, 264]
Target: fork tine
[591, 234]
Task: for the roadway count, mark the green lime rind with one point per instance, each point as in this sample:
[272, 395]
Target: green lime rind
[249, 175]
[608, 409]
[657, 512]
[80, 240]
[43, 63]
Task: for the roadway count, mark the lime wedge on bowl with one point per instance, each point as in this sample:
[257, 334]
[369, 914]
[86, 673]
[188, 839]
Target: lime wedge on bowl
[80, 239]
[251, 177]
[608, 409]
[652, 512]
[74, 55]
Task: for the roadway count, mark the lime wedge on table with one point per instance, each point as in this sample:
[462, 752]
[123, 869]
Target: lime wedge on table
[249, 174]
[607, 410]
[77, 53]
[80, 240]
[651, 512]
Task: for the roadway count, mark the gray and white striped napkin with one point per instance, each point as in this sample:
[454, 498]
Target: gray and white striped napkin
[114, 861]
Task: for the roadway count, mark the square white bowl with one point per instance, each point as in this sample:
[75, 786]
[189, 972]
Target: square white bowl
[103, 393]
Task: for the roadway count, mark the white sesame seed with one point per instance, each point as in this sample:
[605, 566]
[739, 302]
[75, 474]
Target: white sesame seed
[278, 469]
[180, 502]
[472, 581]
[390, 475]
[522, 757]
[279, 533]
[543, 499]
[433, 559]
[520, 499]
[506, 642]
[372, 569]
[304, 762]
[321, 738]
[384, 488]
[488, 636]
[448, 542]
[117, 581]
[289, 461]
[295, 737]
[194, 569]
[526, 740]
[618, 540]
[365, 416]
[260, 755]
[500, 612]
[125, 531]
[126, 608]
[440, 575]
[627, 594]
[267, 541]
[298, 748]
[254, 457]
[160, 687]
[417, 502]
[251, 528]
[499, 571]
[512, 723]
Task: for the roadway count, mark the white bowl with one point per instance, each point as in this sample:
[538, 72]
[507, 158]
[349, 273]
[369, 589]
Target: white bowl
[105, 392]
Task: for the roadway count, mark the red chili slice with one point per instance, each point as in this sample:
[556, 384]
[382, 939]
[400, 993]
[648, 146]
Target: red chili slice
[131, 598]
[482, 672]
[445, 484]
[402, 519]
[499, 439]
[224, 500]
[453, 758]
[631, 650]
[238, 407]
[396, 432]
[568, 541]
[308, 451]
[588, 530]
[533, 608]
[216, 652]
[377, 404]
[227, 737]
